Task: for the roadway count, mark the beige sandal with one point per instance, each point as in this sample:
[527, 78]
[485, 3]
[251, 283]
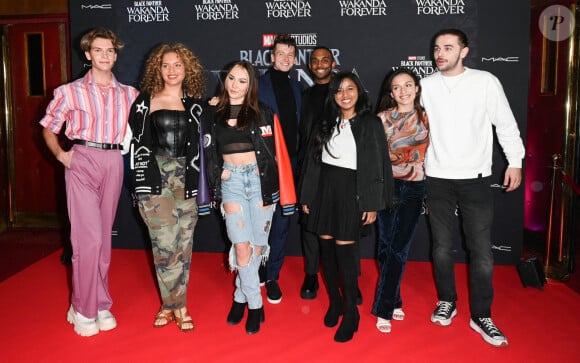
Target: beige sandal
[398, 314]
[383, 325]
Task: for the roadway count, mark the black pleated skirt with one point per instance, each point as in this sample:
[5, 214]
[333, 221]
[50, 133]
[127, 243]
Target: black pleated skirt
[335, 209]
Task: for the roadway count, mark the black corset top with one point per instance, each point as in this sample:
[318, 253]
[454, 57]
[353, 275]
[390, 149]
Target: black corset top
[169, 132]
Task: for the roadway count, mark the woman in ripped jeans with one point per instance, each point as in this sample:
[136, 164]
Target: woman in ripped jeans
[245, 155]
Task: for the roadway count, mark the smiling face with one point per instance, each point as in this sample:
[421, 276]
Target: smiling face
[237, 83]
[102, 55]
[404, 90]
[321, 65]
[172, 69]
[346, 97]
[449, 54]
[283, 57]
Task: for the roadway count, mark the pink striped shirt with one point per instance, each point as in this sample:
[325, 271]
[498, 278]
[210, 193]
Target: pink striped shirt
[89, 114]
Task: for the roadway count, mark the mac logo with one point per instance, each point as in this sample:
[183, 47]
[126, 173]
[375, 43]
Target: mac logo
[501, 59]
[97, 6]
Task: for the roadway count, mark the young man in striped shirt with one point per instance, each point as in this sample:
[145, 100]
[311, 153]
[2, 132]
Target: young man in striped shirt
[95, 110]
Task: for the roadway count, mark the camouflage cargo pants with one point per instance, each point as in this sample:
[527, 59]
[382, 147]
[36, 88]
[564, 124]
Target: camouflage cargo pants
[171, 220]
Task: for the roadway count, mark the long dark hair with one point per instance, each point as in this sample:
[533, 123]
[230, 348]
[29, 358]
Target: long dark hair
[387, 101]
[250, 112]
[332, 112]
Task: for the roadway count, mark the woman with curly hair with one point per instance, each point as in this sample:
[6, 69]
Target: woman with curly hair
[165, 166]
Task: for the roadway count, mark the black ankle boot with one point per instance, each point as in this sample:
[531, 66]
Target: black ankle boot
[255, 317]
[333, 313]
[348, 326]
[309, 287]
[236, 313]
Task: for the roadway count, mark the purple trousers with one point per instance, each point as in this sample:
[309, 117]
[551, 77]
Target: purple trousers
[93, 187]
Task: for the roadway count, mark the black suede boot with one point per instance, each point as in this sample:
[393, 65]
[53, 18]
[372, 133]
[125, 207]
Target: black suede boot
[346, 258]
[236, 313]
[330, 274]
[255, 317]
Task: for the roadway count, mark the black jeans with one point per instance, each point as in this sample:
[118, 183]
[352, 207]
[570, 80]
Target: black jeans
[474, 200]
[396, 230]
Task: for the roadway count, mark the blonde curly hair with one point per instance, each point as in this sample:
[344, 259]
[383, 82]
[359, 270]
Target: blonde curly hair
[194, 82]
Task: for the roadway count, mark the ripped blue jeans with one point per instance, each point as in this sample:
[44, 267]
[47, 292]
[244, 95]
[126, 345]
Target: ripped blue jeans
[247, 221]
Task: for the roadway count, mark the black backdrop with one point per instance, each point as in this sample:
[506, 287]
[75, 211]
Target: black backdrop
[370, 37]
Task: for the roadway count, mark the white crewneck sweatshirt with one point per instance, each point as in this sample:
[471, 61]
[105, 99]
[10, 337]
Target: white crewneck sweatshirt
[462, 110]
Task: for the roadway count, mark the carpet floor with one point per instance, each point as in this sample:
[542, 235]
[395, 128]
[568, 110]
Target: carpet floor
[542, 326]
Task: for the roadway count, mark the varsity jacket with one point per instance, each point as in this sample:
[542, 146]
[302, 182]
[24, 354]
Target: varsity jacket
[144, 169]
[374, 175]
[276, 180]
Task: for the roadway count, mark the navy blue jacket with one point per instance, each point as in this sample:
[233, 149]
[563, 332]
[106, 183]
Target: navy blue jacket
[266, 95]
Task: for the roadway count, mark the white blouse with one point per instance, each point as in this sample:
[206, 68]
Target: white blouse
[342, 147]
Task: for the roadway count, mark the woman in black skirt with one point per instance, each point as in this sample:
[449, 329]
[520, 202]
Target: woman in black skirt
[346, 178]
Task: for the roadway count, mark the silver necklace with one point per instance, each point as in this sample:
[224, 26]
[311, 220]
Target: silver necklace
[452, 82]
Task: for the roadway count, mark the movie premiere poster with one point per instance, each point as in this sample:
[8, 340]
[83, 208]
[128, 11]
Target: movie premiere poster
[368, 37]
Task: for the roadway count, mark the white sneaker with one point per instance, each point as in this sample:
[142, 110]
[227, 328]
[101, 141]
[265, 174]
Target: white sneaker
[106, 320]
[83, 326]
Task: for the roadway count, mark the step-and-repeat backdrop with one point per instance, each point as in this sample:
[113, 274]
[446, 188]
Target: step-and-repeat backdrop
[369, 37]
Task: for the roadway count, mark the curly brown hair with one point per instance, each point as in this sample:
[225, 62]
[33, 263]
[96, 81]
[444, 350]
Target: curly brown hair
[194, 82]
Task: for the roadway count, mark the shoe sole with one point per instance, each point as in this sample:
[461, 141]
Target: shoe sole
[308, 295]
[272, 301]
[106, 326]
[487, 338]
[443, 322]
[82, 332]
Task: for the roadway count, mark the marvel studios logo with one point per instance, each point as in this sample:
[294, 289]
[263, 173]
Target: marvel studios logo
[302, 40]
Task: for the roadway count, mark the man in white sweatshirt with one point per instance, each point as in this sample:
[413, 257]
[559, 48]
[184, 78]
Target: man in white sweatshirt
[463, 104]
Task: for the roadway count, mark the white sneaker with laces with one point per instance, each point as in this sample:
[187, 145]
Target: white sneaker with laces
[106, 320]
[83, 326]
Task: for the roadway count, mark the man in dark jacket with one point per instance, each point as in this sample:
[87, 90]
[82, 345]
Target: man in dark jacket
[321, 65]
[283, 94]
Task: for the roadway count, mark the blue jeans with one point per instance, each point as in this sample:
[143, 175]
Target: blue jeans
[475, 201]
[249, 223]
[396, 228]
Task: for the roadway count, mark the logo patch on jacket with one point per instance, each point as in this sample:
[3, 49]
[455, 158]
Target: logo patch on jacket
[266, 131]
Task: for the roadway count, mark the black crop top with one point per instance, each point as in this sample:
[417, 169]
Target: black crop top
[232, 141]
[169, 132]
